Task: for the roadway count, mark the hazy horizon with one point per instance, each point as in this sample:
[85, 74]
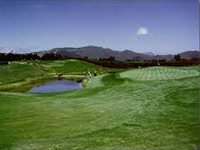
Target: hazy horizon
[157, 26]
[29, 50]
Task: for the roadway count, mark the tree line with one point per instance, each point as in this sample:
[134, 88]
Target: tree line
[30, 56]
[109, 62]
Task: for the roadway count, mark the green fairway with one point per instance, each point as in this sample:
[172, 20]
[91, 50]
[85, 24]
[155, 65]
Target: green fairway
[148, 108]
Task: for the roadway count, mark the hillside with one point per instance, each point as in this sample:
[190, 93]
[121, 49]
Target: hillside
[19, 76]
[190, 54]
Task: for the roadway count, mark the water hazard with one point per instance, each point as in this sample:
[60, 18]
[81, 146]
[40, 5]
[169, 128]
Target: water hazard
[56, 86]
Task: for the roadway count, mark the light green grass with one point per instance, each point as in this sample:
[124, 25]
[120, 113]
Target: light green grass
[159, 73]
[113, 111]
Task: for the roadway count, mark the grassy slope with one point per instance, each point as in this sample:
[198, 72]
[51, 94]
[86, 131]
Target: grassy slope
[71, 66]
[111, 112]
[19, 72]
[20, 76]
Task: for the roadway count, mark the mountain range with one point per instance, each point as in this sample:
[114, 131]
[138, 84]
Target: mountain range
[95, 52]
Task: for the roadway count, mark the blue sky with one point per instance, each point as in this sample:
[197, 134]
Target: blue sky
[159, 26]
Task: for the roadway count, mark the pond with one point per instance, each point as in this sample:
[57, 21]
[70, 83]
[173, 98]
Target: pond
[56, 86]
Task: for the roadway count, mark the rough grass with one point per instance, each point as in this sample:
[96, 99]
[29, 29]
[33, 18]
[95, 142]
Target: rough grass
[113, 111]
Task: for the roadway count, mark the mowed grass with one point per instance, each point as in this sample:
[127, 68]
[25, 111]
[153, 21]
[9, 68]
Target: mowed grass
[71, 66]
[159, 73]
[114, 110]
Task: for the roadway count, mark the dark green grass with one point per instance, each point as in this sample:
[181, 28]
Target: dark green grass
[110, 112]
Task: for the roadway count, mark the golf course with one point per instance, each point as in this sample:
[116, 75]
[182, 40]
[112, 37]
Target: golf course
[137, 108]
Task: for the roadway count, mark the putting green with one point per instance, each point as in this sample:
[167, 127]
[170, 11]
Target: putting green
[159, 73]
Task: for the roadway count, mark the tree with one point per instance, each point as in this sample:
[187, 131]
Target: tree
[49, 56]
[111, 58]
[177, 57]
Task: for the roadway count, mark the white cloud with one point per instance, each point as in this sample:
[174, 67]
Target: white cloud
[142, 31]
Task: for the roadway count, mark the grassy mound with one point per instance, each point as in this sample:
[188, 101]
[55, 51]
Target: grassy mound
[16, 72]
[159, 73]
[71, 66]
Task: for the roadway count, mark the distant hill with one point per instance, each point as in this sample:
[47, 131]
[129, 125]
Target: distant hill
[95, 52]
[190, 54]
[149, 53]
